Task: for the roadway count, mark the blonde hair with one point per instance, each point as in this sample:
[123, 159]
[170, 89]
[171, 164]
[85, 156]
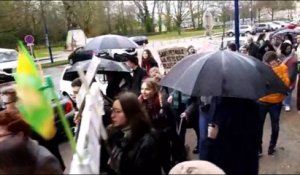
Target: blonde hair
[153, 71]
[152, 84]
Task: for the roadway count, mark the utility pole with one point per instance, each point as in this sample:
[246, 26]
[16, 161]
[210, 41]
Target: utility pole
[251, 11]
[237, 23]
[46, 31]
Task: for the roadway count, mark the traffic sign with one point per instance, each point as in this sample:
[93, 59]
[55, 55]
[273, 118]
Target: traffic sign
[29, 39]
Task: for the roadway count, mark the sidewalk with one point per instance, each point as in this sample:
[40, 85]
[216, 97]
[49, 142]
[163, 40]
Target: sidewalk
[57, 56]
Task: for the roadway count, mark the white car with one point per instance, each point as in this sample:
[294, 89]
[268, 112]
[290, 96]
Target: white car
[274, 26]
[281, 23]
[67, 78]
[244, 29]
[8, 60]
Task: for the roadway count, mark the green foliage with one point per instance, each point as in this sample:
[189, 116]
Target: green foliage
[8, 40]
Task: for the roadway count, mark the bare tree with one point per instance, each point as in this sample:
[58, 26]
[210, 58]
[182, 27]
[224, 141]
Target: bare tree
[168, 16]
[144, 14]
[191, 9]
[180, 14]
[160, 13]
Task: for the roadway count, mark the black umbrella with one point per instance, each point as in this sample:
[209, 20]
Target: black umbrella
[104, 66]
[223, 73]
[110, 42]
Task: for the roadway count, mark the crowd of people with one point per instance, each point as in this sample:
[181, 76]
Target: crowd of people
[147, 123]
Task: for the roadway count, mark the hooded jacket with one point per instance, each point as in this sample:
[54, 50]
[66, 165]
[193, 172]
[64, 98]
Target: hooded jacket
[282, 72]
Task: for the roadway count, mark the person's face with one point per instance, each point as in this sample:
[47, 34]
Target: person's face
[298, 40]
[192, 50]
[243, 50]
[130, 64]
[145, 55]
[273, 63]
[75, 90]
[153, 73]
[288, 49]
[117, 115]
[147, 92]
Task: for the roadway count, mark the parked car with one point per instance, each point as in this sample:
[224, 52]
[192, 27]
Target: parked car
[281, 23]
[274, 26]
[140, 40]
[262, 27]
[227, 41]
[244, 29]
[8, 60]
[67, 105]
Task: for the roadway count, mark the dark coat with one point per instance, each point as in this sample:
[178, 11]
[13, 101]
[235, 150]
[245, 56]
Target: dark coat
[170, 144]
[148, 64]
[138, 75]
[253, 50]
[235, 149]
[136, 157]
[25, 156]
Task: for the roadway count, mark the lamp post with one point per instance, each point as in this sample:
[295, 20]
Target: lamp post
[251, 11]
[237, 23]
[46, 31]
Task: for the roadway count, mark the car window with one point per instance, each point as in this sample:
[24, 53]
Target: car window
[261, 25]
[70, 76]
[6, 56]
[244, 27]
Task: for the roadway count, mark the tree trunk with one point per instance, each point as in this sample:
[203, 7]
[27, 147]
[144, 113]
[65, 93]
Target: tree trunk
[192, 14]
[107, 4]
[272, 13]
[168, 15]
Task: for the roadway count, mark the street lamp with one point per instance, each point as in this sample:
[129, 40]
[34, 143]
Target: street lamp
[237, 23]
[46, 32]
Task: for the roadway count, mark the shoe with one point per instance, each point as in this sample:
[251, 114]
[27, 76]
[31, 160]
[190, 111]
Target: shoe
[287, 108]
[271, 150]
[196, 150]
[260, 151]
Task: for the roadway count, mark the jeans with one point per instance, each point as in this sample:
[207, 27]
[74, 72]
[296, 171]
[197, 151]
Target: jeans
[288, 98]
[203, 126]
[274, 110]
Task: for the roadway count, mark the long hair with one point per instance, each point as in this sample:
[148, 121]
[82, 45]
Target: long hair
[150, 56]
[137, 117]
[14, 123]
[152, 105]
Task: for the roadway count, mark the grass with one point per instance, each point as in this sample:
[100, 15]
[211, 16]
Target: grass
[184, 34]
[54, 64]
[43, 51]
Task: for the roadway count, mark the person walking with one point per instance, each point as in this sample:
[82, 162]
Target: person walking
[252, 48]
[138, 75]
[272, 103]
[289, 58]
[133, 144]
[148, 61]
[171, 149]
[234, 134]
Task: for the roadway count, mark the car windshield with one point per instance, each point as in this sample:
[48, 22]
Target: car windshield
[6, 56]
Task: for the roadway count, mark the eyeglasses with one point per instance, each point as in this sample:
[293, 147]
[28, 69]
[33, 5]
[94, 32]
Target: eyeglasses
[116, 110]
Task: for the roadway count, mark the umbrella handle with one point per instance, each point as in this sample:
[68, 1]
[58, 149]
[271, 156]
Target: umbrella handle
[180, 125]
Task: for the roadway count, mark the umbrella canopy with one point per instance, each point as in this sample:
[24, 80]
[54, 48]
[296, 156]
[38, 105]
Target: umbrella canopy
[223, 73]
[283, 32]
[104, 66]
[110, 42]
